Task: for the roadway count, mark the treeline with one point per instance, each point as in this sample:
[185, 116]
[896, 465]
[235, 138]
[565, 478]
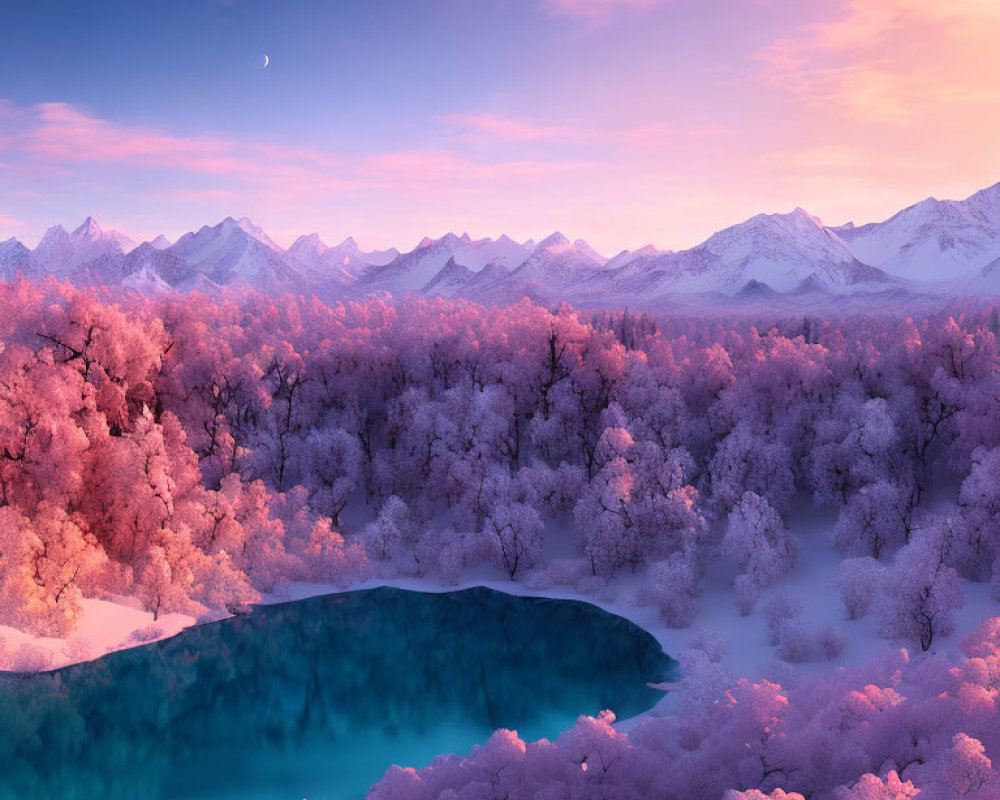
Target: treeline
[194, 451]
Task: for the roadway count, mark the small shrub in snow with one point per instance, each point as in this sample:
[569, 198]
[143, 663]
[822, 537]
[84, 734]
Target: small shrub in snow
[747, 591]
[79, 648]
[568, 571]
[441, 554]
[148, 634]
[858, 582]
[672, 587]
[710, 643]
[476, 548]
[451, 559]
[830, 642]
[538, 580]
[703, 680]
[31, 658]
[780, 610]
[798, 644]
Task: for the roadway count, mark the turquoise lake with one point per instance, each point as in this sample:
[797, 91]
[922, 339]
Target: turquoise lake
[316, 698]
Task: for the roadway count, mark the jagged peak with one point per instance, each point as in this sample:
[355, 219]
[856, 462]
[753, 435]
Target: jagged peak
[989, 193]
[225, 226]
[448, 239]
[552, 240]
[799, 214]
[88, 229]
[810, 283]
[229, 225]
[583, 246]
[310, 241]
[756, 288]
[144, 250]
[54, 230]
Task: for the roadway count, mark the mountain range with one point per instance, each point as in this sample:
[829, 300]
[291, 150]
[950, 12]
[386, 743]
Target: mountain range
[944, 248]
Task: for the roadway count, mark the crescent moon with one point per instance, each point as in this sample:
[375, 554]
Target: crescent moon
[266, 60]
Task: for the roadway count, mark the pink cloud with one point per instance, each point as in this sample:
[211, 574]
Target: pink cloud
[865, 60]
[52, 144]
[510, 129]
[497, 127]
[59, 133]
[595, 12]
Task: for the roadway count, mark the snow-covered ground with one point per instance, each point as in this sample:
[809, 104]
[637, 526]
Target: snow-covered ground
[109, 626]
[105, 626]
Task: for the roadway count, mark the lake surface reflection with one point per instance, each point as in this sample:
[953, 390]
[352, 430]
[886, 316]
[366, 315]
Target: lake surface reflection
[315, 699]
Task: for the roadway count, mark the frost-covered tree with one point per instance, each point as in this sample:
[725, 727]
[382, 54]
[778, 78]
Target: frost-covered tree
[858, 581]
[870, 787]
[874, 519]
[387, 535]
[920, 592]
[673, 586]
[757, 541]
[979, 500]
[515, 531]
[747, 461]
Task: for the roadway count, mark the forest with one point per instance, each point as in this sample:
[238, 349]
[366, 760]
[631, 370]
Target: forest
[196, 452]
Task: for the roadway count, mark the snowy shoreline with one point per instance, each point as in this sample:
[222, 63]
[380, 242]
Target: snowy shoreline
[107, 627]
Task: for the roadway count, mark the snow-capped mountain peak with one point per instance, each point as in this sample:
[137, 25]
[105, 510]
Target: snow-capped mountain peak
[89, 238]
[777, 250]
[52, 235]
[792, 253]
[585, 247]
[553, 241]
[60, 252]
[310, 243]
[248, 227]
[88, 231]
[234, 251]
[258, 233]
[933, 239]
[17, 260]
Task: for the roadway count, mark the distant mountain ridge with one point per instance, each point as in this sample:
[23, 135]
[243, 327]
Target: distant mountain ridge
[947, 247]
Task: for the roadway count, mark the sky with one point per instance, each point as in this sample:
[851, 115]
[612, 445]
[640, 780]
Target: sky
[625, 122]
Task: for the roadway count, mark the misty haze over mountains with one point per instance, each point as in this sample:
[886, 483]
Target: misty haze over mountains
[935, 248]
